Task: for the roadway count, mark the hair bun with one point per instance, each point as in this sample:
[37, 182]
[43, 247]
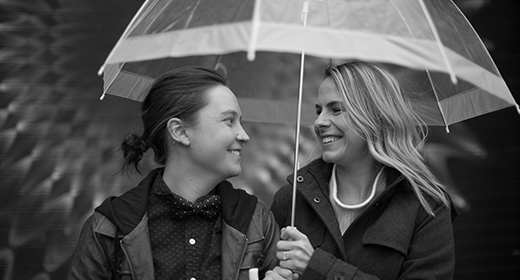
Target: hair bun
[133, 147]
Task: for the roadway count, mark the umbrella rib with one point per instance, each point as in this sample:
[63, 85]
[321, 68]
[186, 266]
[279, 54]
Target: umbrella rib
[123, 36]
[254, 31]
[107, 88]
[439, 42]
[237, 13]
[438, 101]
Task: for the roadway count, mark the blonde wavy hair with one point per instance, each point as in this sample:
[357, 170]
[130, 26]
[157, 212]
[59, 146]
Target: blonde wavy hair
[395, 134]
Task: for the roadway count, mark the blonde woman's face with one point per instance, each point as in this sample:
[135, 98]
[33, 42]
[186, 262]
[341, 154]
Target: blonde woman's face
[340, 144]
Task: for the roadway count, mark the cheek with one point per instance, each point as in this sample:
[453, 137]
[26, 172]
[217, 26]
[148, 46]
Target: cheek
[316, 132]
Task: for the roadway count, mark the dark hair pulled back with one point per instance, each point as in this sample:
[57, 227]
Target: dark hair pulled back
[179, 93]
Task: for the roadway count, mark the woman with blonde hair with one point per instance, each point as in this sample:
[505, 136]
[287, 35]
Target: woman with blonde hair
[369, 207]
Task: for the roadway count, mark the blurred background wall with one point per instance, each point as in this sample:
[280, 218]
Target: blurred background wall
[58, 141]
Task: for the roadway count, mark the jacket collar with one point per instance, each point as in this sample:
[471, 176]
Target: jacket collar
[127, 210]
[320, 171]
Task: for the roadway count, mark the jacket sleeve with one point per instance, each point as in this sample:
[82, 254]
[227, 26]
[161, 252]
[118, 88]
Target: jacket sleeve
[89, 260]
[325, 266]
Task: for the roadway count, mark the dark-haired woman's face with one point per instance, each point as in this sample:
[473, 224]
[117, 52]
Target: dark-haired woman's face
[217, 137]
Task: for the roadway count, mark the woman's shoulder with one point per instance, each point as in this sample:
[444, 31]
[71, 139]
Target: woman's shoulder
[99, 223]
[406, 199]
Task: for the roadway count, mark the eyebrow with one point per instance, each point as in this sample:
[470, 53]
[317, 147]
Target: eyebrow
[231, 112]
[330, 104]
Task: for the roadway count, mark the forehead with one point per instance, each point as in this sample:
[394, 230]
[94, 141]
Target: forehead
[328, 91]
[220, 100]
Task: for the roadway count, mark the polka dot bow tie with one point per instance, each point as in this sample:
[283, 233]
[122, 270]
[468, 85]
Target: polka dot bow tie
[207, 208]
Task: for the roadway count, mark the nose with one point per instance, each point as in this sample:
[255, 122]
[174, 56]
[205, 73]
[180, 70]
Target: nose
[242, 135]
[321, 121]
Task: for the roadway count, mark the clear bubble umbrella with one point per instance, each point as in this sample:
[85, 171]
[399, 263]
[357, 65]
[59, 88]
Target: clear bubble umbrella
[429, 45]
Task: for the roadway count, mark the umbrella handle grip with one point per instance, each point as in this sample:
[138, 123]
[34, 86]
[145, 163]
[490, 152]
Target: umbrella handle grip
[253, 274]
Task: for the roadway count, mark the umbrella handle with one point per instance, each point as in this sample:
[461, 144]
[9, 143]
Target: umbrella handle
[253, 274]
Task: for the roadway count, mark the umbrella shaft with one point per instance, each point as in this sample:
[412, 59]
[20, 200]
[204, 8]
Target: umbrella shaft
[296, 165]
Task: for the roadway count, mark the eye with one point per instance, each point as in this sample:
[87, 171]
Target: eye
[318, 111]
[336, 110]
[229, 121]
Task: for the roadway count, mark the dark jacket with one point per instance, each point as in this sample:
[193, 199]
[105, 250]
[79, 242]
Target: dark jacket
[393, 238]
[249, 236]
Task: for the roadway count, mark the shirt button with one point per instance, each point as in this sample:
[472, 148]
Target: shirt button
[192, 242]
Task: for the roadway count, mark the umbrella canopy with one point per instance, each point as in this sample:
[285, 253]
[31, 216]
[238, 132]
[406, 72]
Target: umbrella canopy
[430, 46]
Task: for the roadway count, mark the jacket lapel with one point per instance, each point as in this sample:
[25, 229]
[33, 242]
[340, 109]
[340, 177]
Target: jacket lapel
[233, 246]
[139, 250]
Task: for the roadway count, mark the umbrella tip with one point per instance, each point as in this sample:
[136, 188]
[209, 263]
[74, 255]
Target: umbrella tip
[453, 78]
[102, 96]
[101, 70]
[517, 109]
[251, 55]
[447, 129]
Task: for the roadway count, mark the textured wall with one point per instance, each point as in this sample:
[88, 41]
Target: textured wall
[58, 142]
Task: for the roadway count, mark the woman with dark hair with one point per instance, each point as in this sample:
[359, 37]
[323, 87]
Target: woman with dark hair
[369, 207]
[184, 220]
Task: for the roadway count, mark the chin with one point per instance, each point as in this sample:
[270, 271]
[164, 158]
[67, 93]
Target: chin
[235, 172]
[329, 158]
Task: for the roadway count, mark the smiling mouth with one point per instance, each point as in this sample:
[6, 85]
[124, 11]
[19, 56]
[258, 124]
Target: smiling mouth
[235, 152]
[329, 139]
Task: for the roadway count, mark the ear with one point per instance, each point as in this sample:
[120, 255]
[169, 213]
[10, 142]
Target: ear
[177, 131]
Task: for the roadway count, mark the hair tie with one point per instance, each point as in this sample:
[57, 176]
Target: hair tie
[143, 145]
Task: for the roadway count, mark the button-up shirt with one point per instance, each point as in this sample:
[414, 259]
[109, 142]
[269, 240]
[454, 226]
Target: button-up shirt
[188, 248]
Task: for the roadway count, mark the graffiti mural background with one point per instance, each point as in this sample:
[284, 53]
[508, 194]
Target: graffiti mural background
[58, 141]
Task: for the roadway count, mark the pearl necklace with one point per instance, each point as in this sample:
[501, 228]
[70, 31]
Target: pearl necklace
[355, 206]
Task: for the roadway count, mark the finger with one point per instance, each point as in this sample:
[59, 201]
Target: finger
[283, 235]
[283, 246]
[283, 255]
[283, 272]
[286, 261]
[292, 233]
[272, 275]
[279, 255]
[269, 275]
[291, 245]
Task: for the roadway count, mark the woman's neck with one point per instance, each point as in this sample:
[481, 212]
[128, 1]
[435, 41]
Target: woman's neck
[181, 181]
[355, 183]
